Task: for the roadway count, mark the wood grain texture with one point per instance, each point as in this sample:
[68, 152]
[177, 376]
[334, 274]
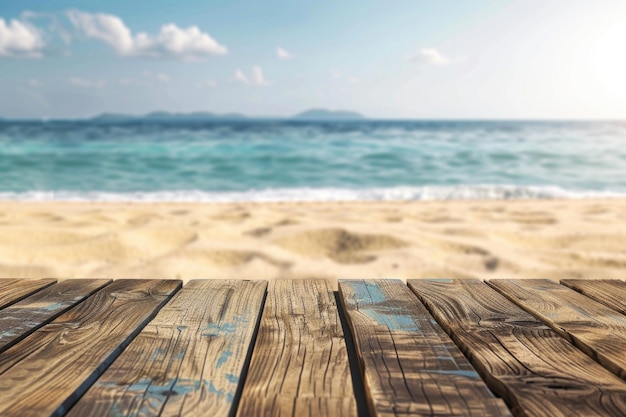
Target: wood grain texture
[594, 328]
[24, 317]
[13, 290]
[48, 371]
[610, 292]
[188, 360]
[538, 372]
[299, 365]
[409, 364]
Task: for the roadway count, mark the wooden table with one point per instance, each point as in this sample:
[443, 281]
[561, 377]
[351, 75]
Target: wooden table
[438, 347]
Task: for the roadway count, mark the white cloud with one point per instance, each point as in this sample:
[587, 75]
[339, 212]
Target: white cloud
[55, 27]
[20, 39]
[282, 53]
[256, 77]
[241, 77]
[33, 82]
[429, 56]
[170, 42]
[157, 76]
[85, 83]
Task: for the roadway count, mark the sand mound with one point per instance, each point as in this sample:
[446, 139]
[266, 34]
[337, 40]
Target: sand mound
[339, 244]
[26, 236]
[479, 239]
[226, 257]
[25, 271]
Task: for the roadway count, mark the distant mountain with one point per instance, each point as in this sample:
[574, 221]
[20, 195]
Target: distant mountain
[309, 115]
[324, 114]
[166, 116]
[112, 117]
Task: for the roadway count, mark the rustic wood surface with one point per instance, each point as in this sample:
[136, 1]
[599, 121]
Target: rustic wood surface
[147, 349]
[24, 317]
[594, 328]
[299, 365]
[188, 360]
[538, 372]
[610, 292]
[48, 371]
[410, 366]
[13, 290]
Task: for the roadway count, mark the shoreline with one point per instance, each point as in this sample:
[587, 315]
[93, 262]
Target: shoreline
[526, 238]
[476, 192]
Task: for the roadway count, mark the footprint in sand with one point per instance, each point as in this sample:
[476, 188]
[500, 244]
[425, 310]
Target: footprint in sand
[491, 263]
[141, 219]
[456, 246]
[231, 258]
[532, 217]
[259, 232]
[393, 219]
[233, 216]
[287, 222]
[340, 245]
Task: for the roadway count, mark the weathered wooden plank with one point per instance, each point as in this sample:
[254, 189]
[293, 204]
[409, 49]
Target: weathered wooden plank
[535, 370]
[188, 360]
[48, 371]
[610, 292]
[24, 317]
[409, 364]
[594, 328]
[13, 290]
[299, 365]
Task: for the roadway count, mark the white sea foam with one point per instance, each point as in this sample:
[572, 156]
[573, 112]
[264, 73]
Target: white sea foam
[475, 192]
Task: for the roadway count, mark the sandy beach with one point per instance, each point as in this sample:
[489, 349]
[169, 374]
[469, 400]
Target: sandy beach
[460, 239]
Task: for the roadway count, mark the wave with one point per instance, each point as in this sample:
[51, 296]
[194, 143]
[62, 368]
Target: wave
[474, 192]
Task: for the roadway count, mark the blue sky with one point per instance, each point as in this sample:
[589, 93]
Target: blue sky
[547, 59]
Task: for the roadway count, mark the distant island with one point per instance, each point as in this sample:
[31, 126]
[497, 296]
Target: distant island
[309, 115]
[324, 114]
[313, 115]
[166, 116]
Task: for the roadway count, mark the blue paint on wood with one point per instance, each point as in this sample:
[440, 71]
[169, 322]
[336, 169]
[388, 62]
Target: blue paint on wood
[8, 334]
[55, 306]
[215, 329]
[226, 354]
[395, 322]
[220, 392]
[373, 302]
[459, 372]
[375, 293]
[139, 386]
[156, 393]
[158, 352]
[233, 379]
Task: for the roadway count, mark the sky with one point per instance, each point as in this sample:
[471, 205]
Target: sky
[397, 59]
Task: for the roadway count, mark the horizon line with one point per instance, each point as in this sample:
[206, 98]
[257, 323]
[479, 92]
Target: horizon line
[219, 117]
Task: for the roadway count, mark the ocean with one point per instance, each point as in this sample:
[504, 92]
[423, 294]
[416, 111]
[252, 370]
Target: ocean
[266, 160]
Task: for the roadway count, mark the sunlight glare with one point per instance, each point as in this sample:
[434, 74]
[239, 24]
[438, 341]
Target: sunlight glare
[610, 59]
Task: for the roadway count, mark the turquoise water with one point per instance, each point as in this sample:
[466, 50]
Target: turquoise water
[279, 160]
